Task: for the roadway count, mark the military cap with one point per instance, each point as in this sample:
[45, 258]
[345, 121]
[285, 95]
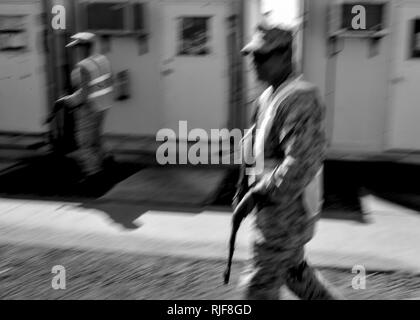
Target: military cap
[268, 39]
[82, 38]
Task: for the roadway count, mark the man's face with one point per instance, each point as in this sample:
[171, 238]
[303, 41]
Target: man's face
[273, 66]
[82, 50]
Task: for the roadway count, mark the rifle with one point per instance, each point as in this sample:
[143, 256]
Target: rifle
[58, 105]
[244, 207]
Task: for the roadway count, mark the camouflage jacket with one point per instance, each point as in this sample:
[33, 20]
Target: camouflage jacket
[295, 144]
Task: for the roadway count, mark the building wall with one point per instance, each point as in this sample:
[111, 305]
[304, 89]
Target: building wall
[23, 81]
[353, 82]
[144, 113]
[361, 96]
[23, 87]
[252, 89]
[253, 16]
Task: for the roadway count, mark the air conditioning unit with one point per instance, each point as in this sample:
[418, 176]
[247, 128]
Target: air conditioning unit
[365, 19]
[117, 18]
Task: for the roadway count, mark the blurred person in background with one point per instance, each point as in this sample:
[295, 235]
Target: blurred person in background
[92, 81]
[289, 138]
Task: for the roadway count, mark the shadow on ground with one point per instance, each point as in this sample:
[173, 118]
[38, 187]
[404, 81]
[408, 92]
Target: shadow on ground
[342, 193]
[395, 182]
[58, 178]
[345, 182]
[125, 214]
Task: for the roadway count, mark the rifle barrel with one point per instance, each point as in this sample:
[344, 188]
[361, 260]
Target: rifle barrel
[241, 211]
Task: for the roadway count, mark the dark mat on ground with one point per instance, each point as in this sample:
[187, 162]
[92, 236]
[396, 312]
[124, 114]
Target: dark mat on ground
[25, 273]
[169, 185]
[58, 177]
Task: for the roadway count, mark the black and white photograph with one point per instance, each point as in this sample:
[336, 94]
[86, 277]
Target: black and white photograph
[209, 150]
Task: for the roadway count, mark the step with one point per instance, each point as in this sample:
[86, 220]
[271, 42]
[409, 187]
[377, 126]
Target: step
[22, 141]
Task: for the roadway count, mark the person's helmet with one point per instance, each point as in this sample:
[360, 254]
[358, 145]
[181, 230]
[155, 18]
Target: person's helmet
[81, 38]
[268, 39]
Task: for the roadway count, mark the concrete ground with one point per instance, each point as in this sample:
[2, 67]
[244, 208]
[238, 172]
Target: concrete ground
[119, 251]
[26, 273]
[390, 240]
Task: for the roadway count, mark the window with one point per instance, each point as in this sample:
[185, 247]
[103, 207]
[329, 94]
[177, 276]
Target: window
[12, 33]
[374, 16]
[415, 39]
[140, 15]
[194, 36]
[106, 16]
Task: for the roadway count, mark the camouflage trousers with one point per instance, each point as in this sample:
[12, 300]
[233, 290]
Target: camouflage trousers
[90, 153]
[280, 235]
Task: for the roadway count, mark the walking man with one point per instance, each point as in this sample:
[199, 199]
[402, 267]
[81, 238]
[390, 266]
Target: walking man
[92, 80]
[289, 139]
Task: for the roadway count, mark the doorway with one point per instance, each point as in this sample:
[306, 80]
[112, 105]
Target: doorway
[194, 68]
[404, 127]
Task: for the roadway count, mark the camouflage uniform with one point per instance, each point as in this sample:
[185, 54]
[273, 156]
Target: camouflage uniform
[92, 78]
[90, 153]
[282, 222]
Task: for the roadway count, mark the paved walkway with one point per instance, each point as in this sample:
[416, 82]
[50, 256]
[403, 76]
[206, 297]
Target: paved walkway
[391, 241]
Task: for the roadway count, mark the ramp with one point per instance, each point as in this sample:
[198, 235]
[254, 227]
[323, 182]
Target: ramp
[169, 185]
